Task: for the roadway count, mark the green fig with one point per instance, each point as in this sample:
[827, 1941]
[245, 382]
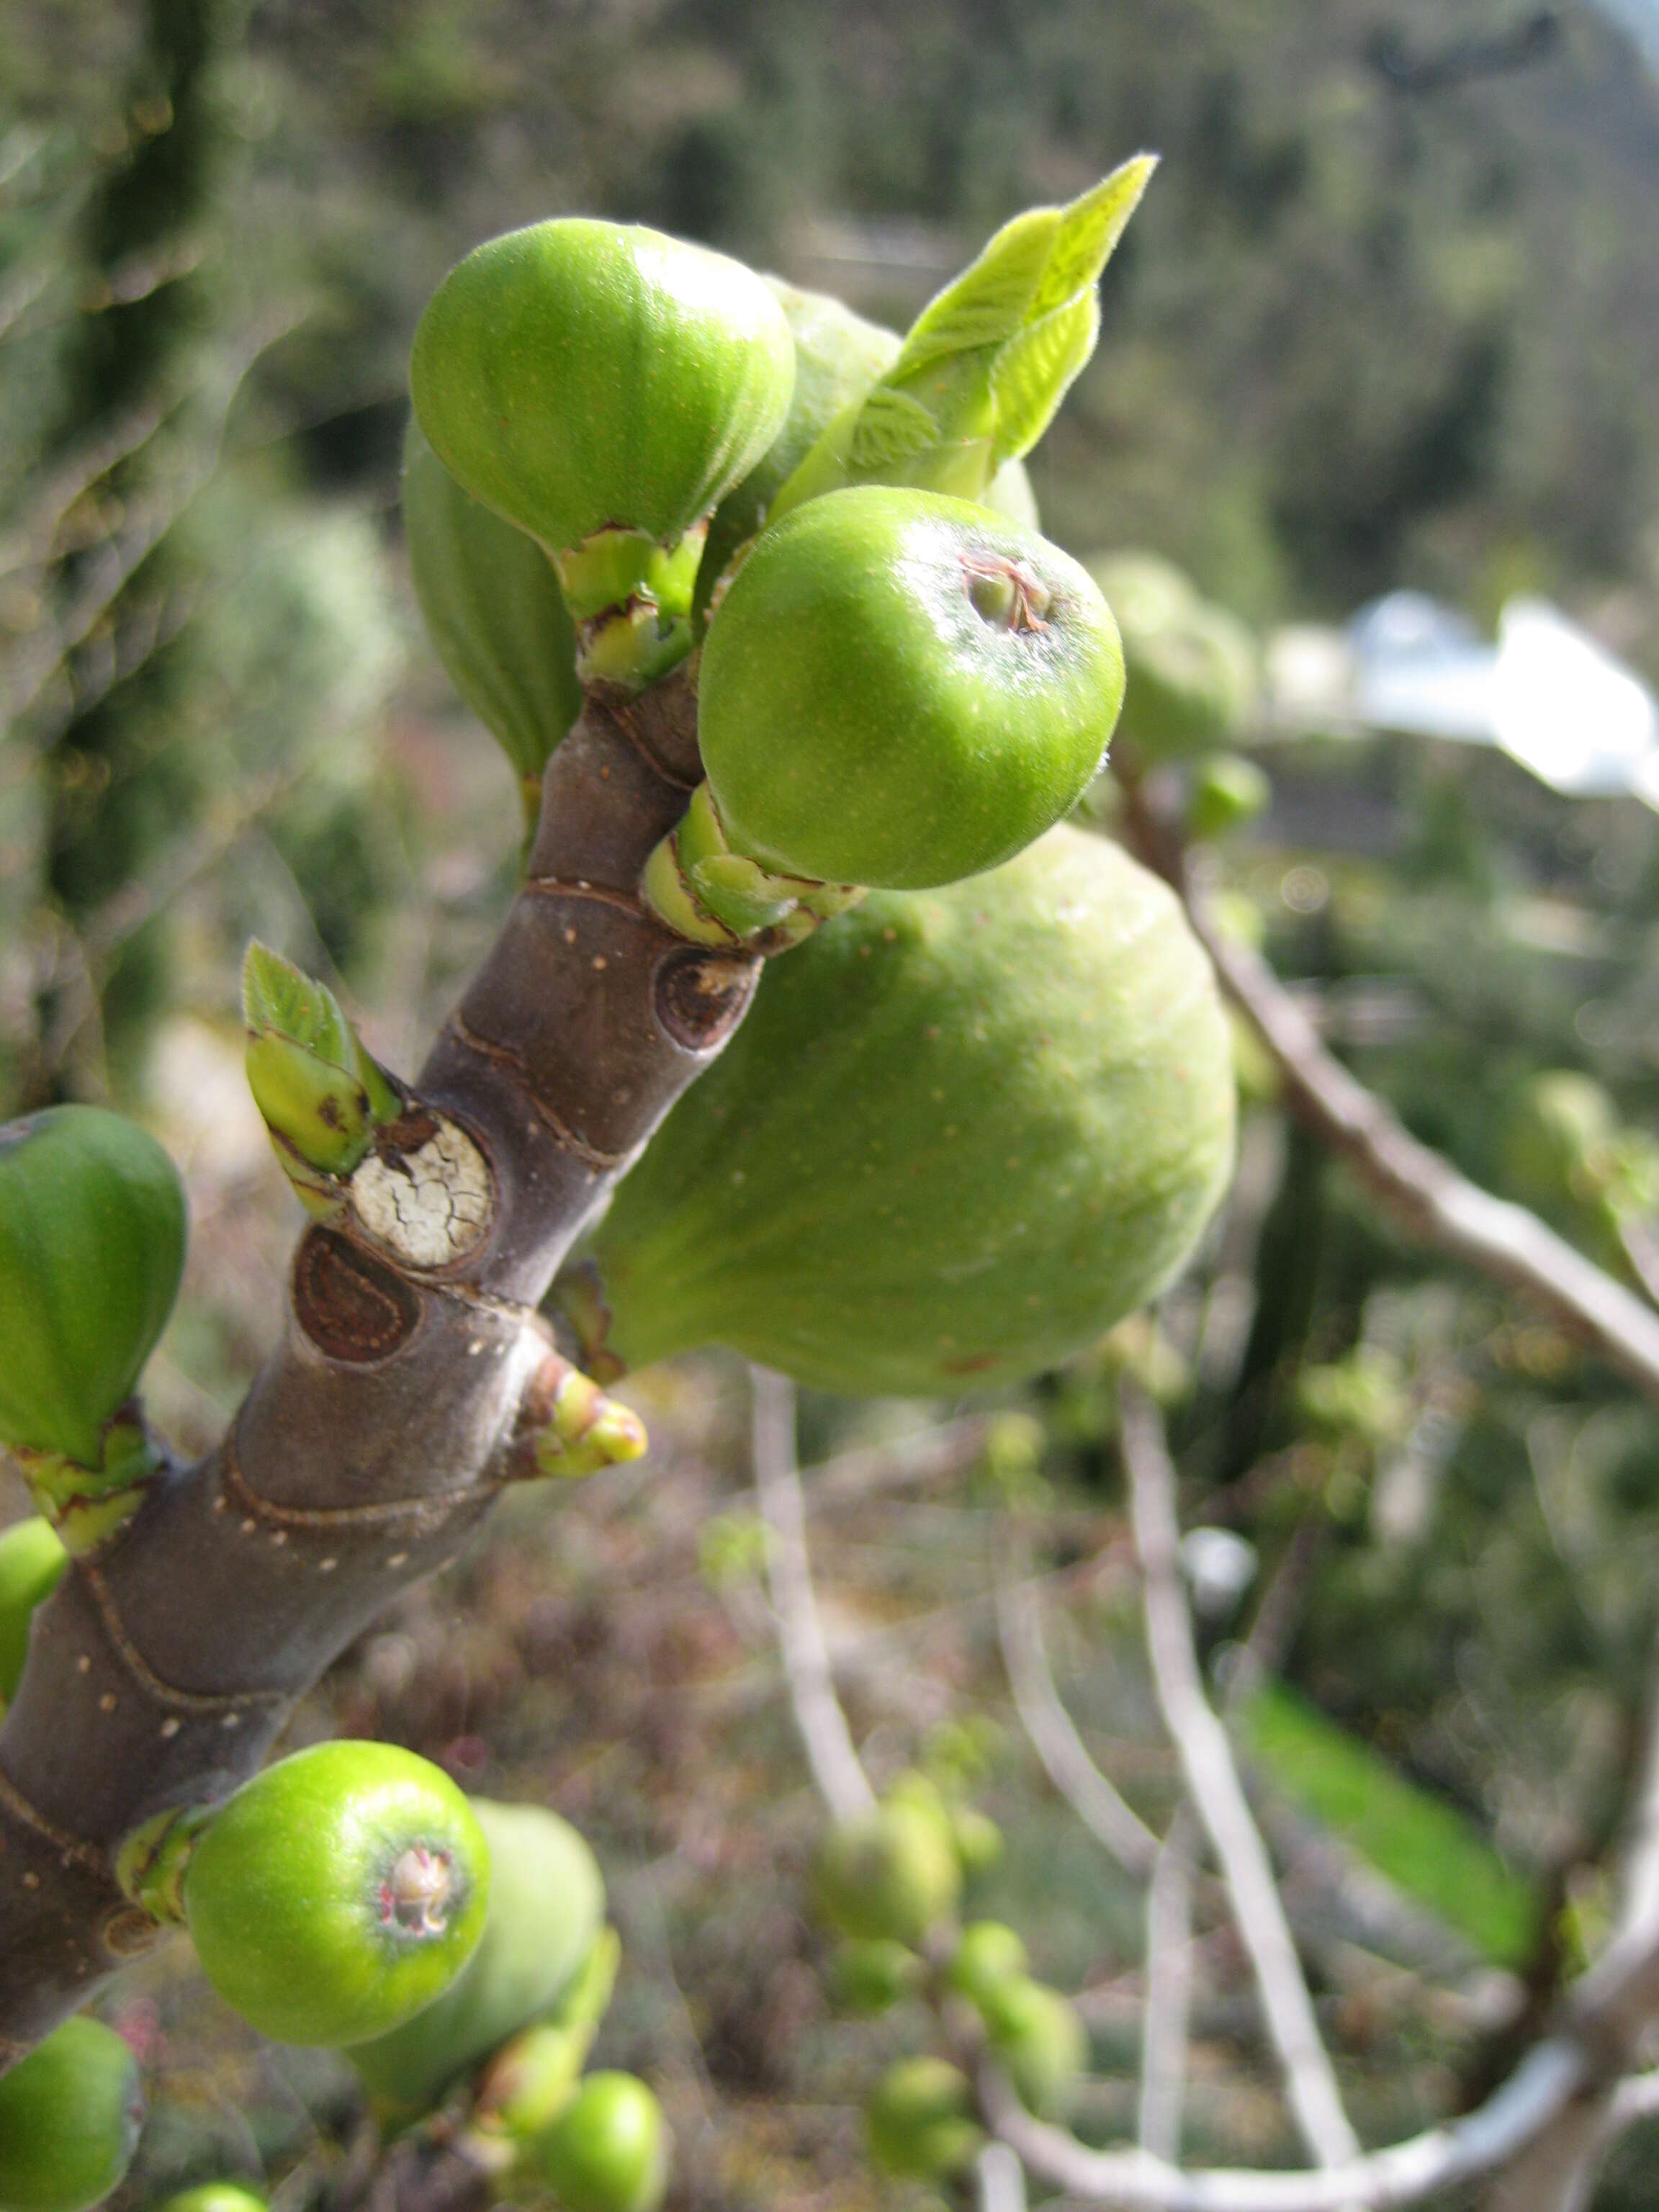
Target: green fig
[494, 613]
[69, 2117]
[604, 387]
[1037, 2038]
[987, 1955]
[869, 1977]
[336, 1895]
[1193, 670]
[530, 2081]
[901, 689]
[92, 1246]
[32, 1563]
[956, 1137]
[889, 1875]
[544, 1926]
[1227, 791]
[609, 2150]
[216, 2196]
[1554, 1125]
[978, 1840]
[920, 2121]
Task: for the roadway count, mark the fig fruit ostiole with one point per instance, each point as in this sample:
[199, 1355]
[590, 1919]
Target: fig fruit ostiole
[603, 387]
[959, 1135]
[92, 1245]
[31, 1564]
[336, 1894]
[608, 2151]
[70, 2115]
[496, 615]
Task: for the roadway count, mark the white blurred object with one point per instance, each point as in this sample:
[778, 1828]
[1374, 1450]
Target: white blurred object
[1219, 1566]
[1566, 708]
[1423, 669]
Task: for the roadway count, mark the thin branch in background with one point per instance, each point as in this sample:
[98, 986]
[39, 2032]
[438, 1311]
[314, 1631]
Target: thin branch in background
[1053, 1736]
[999, 2181]
[1167, 1998]
[1212, 1781]
[824, 1735]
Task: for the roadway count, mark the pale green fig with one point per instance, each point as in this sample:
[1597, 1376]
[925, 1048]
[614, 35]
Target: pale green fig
[1195, 674]
[987, 1955]
[530, 2081]
[32, 1563]
[69, 2119]
[900, 690]
[920, 2121]
[336, 1895]
[92, 1246]
[544, 1928]
[957, 1137]
[869, 1977]
[604, 387]
[889, 1875]
[1227, 791]
[1037, 2038]
[216, 2196]
[496, 614]
[977, 1837]
[609, 2150]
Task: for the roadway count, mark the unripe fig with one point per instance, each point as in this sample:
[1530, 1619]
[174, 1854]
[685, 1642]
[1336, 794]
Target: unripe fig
[496, 614]
[546, 1909]
[977, 1837]
[338, 1892]
[1553, 1127]
[32, 1563]
[69, 2117]
[609, 2150]
[1227, 791]
[956, 1137]
[1193, 669]
[901, 689]
[869, 1978]
[216, 2196]
[92, 1245]
[889, 1875]
[987, 1955]
[1037, 2038]
[920, 2121]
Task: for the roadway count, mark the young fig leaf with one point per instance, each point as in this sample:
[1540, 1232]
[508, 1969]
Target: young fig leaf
[319, 1093]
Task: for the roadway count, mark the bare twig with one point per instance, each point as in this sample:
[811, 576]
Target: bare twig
[1213, 1780]
[1167, 1999]
[824, 1735]
[999, 2181]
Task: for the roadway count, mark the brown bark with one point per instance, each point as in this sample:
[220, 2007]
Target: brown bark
[371, 1444]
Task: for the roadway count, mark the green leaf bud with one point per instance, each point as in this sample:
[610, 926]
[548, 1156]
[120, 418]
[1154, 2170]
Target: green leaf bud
[92, 1245]
[579, 1429]
[891, 1875]
[987, 1955]
[920, 2121]
[69, 2119]
[321, 1096]
[336, 1895]
[1227, 791]
[1037, 2038]
[956, 1137]
[608, 2151]
[32, 1563]
[496, 615]
[901, 689]
[869, 1978]
[542, 1938]
[1195, 674]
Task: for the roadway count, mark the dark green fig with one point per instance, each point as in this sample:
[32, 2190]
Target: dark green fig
[494, 613]
[987, 1955]
[956, 1137]
[545, 1919]
[583, 376]
[920, 2121]
[889, 1875]
[216, 2196]
[1227, 791]
[608, 2151]
[901, 689]
[69, 2117]
[1037, 2038]
[870, 1977]
[32, 1563]
[337, 1892]
[92, 1245]
[1194, 675]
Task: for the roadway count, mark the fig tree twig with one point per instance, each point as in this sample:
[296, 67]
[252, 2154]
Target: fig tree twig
[999, 2181]
[1166, 2000]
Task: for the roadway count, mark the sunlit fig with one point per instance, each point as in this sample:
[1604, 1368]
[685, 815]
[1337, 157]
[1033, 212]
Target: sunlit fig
[69, 2117]
[609, 2150]
[987, 1955]
[495, 612]
[32, 1563]
[956, 1137]
[334, 1895]
[920, 2123]
[92, 1245]
[216, 2196]
[1193, 669]
[891, 1875]
[1037, 2038]
[544, 1926]
[902, 689]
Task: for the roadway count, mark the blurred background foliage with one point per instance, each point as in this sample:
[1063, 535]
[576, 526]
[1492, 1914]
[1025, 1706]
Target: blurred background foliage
[1388, 317]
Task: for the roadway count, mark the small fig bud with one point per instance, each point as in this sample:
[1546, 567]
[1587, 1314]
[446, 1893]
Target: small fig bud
[987, 1955]
[69, 2117]
[956, 1137]
[495, 612]
[1227, 791]
[1037, 2038]
[1193, 671]
[319, 1093]
[891, 1875]
[32, 1563]
[92, 1245]
[338, 1892]
[902, 689]
[870, 1977]
[609, 2150]
[920, 2121]
[541, 1936]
